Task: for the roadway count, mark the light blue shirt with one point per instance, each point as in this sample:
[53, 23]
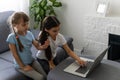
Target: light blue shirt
[26, 54]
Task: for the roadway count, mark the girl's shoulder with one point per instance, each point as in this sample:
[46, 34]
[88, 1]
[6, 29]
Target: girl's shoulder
[59, 35]
[11, 35]
[29, 32]
[11, 38]
[30, 35]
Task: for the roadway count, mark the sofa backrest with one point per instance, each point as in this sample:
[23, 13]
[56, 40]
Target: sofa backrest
[4, 30]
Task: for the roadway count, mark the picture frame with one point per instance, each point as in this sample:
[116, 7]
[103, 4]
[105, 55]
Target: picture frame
[102, 8]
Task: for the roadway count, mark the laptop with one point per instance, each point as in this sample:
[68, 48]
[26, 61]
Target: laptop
[74, 68]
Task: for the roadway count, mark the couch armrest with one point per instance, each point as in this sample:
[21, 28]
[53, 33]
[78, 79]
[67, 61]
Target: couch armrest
[4, 28]
[69, 42]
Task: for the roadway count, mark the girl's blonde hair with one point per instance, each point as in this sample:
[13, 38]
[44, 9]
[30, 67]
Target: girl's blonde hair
[15, 18]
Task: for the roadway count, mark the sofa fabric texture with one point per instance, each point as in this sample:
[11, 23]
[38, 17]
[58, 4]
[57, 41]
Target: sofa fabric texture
[4, 30]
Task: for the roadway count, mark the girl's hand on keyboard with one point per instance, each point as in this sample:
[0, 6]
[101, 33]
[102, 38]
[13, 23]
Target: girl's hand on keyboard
[82, 62]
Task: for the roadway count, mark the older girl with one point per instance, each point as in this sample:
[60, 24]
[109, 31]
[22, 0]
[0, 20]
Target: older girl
[47, 58]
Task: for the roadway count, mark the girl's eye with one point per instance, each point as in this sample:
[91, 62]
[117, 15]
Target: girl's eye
[54, 31]
[25, 24]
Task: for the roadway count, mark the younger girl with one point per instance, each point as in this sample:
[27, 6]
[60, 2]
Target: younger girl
[20, 42]
[47, 58]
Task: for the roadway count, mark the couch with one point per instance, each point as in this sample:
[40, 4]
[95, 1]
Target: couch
[7, 70]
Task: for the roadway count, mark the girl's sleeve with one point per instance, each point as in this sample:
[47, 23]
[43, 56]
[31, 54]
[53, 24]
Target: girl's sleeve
[11, 39]
[62, 39]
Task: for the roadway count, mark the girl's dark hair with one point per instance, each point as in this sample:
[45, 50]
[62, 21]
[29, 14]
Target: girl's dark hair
[15, 19]
[48, 23]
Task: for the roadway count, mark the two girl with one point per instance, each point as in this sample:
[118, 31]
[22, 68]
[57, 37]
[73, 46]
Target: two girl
[21, 40]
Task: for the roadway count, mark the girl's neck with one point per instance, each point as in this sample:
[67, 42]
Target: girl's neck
[21, 33]
[53, 37]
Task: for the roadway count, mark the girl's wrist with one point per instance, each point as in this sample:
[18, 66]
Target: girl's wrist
[79, 60]
[50, 61]
[22, 66]
[41, 47]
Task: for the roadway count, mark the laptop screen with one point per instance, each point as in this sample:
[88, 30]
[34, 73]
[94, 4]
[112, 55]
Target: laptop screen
[98, 59]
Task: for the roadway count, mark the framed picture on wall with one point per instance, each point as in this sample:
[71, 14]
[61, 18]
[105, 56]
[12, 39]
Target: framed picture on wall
[102, 8]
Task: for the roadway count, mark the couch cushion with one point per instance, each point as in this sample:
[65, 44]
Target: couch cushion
[4, 30]
[4, 65]
[69, 40]
[7, 56]
[8, 72]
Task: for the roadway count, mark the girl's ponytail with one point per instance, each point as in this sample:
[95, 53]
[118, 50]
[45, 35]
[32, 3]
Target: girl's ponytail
[43, 37]
[19, 43]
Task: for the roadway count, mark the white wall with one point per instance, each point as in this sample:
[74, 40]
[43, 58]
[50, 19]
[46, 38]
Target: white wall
[15, 5]
[114, 8]
[96, 33]
[72, 16]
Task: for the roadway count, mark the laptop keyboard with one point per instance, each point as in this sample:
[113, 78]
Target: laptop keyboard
[83, 70]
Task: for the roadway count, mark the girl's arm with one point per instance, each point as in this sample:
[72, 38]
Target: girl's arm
[73, 55]
[15, 55]
[41, 47]
[51, 64]
[17, 58]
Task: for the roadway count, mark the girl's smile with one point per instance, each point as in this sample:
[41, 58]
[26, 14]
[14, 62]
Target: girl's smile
[53, 32]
